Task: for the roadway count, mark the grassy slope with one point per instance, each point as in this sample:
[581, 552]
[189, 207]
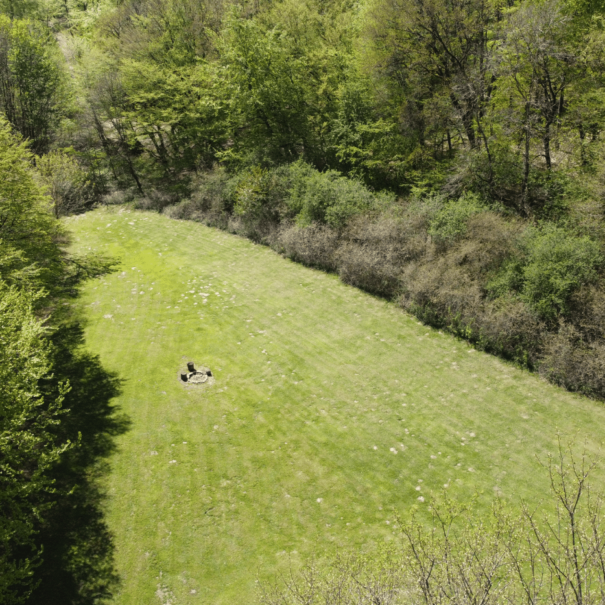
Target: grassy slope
[316, 382]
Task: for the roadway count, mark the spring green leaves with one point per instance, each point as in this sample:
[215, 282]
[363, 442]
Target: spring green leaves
[553, 264]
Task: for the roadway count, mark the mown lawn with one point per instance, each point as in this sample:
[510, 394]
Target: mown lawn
[332, 411]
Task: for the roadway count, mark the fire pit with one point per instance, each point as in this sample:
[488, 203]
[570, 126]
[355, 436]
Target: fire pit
[193, 376]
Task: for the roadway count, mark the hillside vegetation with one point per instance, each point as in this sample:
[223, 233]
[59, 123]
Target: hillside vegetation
[446, 154]
[56, 416]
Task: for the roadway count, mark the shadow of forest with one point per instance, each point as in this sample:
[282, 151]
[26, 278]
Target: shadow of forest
[77, 546]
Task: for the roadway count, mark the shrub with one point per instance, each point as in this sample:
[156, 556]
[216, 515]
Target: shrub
[259, 229]
[67, 184]
[156, 200]
[587, 306]
[440, 293]
[260, 193]
[376, 249]
[489, 240]
[445, 287]
[573, 363]
[213, 191]
[328, 197]
[552, 265]
[314, 245]
[118, 197]
[372, 269]
[559, 264]
[251, 192]
[508, 327]
[211, 200]
[449, 223]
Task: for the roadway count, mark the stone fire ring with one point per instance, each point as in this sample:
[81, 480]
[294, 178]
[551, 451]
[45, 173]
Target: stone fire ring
[195, 376]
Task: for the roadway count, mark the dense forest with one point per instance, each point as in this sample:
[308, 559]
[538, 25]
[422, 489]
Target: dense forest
[446, 154]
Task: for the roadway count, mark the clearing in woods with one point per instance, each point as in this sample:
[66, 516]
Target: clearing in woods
[331, 411]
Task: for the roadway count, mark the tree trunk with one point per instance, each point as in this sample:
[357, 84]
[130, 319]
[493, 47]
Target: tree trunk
[467, 121]
[547, 147]
[526, 166]
[469, 129]
[582, 133]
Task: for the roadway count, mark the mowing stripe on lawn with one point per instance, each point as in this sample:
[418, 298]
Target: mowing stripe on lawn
[332, 411]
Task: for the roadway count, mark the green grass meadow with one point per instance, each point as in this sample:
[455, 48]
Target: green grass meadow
[332, 411]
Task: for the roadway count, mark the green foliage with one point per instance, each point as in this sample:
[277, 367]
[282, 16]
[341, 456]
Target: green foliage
[553, 265]
[303, 193]
[32, 84]
[66, 182]
[584, 9]
[251, 192]
[179, 115]
[19, 9]
[281, 91]
[29, 446]
[167, 33]
[428, 55]
[367, 143]
[329, 197]
[260, 193]
[396, 95]
[558, 264]
[28, 231]
[40, 386]
[160, 107]
[31, 256]
[449, 223]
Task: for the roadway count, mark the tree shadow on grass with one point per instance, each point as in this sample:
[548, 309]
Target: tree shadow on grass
[77, 559]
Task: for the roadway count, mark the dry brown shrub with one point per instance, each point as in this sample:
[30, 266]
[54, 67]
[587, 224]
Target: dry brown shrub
[258, 230]
[446, 288]
[368, 268]
[403, 236]
[115, 198]
[235, 224]
[588, 312]
[210, 201]
[441, 291]
[488, 241]
[188, 210]
[571, 362]
[155, 200]
[180, 211]
[574, 357]
[447, 296]
[510, 328]
[375, 250]
[314, 245]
